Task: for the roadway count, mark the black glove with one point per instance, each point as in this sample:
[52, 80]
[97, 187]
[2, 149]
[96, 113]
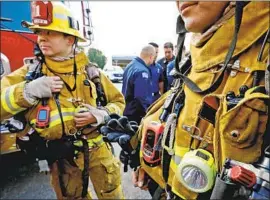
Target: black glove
[119, 129]
[132, 159]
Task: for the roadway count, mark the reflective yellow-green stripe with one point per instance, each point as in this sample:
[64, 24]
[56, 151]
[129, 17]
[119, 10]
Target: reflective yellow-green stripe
[8, 101]
[67, 113]
[93, 142]
[113, 108]
[176, 158]
[98, 141]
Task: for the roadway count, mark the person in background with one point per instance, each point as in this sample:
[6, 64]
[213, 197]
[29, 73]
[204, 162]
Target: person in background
[137, 84]
[157, 76]
[169, 56]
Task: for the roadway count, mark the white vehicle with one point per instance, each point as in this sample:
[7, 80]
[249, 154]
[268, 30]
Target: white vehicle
[114, 73]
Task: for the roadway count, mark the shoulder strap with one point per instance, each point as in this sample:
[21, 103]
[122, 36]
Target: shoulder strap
[93, 74]
[191, 85]
[267, 71]
[34, 68]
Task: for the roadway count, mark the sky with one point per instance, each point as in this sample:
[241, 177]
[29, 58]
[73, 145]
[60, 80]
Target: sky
[124, 27]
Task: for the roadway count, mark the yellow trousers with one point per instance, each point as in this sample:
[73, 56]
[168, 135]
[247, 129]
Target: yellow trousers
[104, 171]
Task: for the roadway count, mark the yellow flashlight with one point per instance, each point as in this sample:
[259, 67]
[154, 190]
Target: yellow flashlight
[197, 171]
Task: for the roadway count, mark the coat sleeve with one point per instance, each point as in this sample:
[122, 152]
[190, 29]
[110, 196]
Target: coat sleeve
[12, 100]
[115, 99]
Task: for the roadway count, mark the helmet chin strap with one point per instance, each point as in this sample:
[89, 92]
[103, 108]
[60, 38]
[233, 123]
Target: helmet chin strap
[74, 62]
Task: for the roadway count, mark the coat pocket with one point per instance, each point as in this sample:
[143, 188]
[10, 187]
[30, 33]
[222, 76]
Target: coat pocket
[245, 123]
[112, 175]
[239, 131]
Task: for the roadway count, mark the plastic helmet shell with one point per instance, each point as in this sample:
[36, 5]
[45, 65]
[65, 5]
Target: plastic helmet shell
[55, 16]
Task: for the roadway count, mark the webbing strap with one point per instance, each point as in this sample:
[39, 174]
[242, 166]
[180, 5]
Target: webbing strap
[95, 78]
[61, 172]
[191, 85]
[85, 173]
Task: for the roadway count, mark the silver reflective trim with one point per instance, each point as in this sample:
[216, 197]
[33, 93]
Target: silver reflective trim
[7, 95]
[99, 142]
[57, 116]
[60, 16]
[177, 159]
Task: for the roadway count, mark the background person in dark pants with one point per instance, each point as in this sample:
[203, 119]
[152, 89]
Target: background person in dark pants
[137, 84]
[168, 51]
[157, 76]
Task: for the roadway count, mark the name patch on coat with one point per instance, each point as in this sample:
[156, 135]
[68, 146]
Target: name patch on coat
[144, 75]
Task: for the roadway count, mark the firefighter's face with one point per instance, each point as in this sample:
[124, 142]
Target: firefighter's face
[53, 43]
[200, 15]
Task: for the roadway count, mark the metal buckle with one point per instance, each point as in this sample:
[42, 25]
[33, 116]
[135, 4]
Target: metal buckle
[192, 130]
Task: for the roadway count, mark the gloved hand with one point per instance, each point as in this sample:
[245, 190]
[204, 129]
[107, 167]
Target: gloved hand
[132, 159]
[42, 87]
[100, 116]
[119, 129]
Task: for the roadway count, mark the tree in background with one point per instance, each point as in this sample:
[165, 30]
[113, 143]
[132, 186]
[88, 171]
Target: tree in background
[96, 56]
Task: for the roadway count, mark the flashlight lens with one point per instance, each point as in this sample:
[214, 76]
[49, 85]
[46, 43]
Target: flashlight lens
[194, 177]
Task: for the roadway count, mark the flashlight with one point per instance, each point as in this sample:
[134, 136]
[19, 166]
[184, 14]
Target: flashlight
[197, 171]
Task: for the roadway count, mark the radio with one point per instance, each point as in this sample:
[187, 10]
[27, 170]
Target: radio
[151, 146]
[43, 115]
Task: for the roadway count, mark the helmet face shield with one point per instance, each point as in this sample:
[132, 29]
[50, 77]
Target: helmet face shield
[55, 16]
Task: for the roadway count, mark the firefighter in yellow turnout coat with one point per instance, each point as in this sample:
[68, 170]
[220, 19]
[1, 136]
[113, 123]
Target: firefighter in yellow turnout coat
[62, 87]
[207, 120]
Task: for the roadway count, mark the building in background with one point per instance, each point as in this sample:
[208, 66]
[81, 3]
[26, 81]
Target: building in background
[121, 61]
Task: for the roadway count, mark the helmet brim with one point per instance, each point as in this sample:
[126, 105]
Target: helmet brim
[37, 27]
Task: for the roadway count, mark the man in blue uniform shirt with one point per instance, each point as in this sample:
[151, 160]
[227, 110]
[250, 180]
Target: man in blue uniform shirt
[168, 52]
[137, 84]
[157, 76]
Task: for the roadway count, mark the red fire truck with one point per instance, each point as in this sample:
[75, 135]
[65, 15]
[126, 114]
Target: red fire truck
[17, 44]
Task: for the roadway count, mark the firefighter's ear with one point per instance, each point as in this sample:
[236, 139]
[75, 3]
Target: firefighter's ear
[70, 39]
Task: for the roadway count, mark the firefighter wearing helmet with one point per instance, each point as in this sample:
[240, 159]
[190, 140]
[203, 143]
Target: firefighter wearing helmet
[59, 94]
[216, 115]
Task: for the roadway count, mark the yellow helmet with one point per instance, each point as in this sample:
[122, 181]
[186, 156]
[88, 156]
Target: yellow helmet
[54, 16]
